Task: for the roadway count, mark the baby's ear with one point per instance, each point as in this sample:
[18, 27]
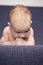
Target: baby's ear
[31, 21]
[8, 23]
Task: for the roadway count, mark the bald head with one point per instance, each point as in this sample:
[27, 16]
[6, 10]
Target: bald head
[20, 18]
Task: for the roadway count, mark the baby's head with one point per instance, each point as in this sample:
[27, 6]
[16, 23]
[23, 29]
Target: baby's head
[20, 19]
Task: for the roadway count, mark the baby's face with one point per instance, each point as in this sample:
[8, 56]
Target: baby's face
[20, 34]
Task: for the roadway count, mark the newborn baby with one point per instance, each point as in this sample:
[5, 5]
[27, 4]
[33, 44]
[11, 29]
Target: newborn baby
[19, 31]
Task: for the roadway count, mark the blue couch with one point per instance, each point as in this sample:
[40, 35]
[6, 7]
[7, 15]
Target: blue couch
[21, 55]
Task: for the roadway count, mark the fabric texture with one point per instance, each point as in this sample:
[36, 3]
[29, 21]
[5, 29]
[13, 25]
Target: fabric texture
[21, 55]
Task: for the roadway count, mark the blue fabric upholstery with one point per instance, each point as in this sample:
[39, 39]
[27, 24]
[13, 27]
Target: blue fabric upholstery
[37, 17]
[10, 55]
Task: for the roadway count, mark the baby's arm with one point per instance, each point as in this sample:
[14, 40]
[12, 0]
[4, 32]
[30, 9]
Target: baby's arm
[31, 40]
[4, 37]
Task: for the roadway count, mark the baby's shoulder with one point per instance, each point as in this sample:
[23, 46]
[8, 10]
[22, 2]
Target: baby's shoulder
[6, 29]
[31, 30]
